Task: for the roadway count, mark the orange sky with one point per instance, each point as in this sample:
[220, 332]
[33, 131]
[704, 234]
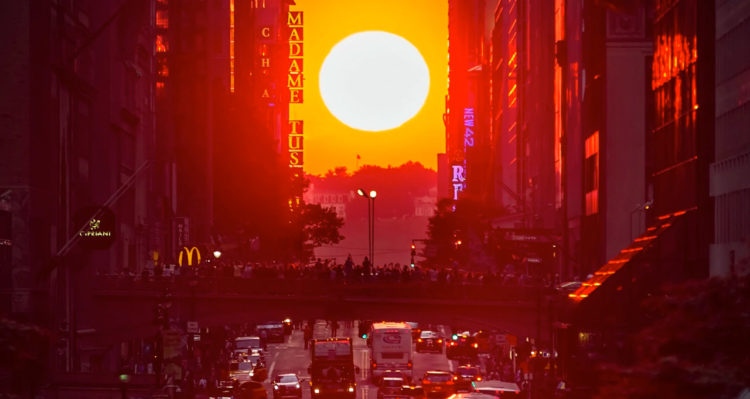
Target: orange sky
[328, 142]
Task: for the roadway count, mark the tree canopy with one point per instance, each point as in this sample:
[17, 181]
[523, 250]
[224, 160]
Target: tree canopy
[456, 234]
[695, 344]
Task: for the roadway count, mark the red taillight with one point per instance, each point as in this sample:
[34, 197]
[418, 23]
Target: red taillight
[440, 341]
[409, 365]
[476, 345]
[479, 378]
[374, 365]
[426, 382]
[419, 339]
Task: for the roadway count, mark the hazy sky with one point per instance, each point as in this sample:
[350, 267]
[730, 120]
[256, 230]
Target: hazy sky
[330, 143]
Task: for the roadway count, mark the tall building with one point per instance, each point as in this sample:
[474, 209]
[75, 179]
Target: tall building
[191, 42]
[78, 81]
[467, 124]
[520, 65]
[680, 142]
[608, 154]
[730, 185]
[522, 110]
[223, 95]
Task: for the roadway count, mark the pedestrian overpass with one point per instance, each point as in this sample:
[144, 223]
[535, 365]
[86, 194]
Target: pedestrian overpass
[128, 306]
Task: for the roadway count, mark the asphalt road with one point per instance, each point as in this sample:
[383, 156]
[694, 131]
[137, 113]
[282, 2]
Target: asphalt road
[291, 357]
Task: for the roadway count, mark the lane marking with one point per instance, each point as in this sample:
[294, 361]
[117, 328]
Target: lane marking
[273, 364]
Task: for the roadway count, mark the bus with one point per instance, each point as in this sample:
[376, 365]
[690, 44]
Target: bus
[391, 349]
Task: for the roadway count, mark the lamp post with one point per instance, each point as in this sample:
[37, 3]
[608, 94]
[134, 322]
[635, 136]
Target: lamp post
[639, 208]
[370, 195]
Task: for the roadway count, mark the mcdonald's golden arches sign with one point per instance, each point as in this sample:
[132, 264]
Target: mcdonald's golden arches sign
[186, 256]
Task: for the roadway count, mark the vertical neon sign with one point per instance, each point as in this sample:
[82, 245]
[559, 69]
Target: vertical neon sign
[231, 46]
[295, 84]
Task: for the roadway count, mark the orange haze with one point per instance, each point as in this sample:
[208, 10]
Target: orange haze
[330, 143]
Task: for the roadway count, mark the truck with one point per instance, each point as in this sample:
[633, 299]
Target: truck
[332, 371]
[390, 349]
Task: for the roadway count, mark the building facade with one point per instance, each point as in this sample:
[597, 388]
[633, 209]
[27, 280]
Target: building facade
[730, 185]
[79, 172]
[680, 143]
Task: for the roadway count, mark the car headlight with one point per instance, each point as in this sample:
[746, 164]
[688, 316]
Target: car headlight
[316, 390]
[351, 389]
[275, 387]
[297, 386]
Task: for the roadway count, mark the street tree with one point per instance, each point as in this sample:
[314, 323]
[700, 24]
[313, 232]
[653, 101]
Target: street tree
[455, 234]
[694, 345]
[312, 226]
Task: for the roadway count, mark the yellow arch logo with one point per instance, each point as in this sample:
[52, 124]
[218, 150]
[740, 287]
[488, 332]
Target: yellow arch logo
[188, 252]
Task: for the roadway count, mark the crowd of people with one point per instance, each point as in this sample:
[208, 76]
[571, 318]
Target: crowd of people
[349, 271]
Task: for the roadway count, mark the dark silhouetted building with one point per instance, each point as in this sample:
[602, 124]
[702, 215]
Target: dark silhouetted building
[78, 105]
[730, 184]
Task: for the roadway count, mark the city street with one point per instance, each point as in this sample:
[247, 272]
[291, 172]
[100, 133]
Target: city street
[554, 193]
[291, 357]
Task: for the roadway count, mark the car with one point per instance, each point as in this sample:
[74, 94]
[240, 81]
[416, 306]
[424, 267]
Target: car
[462, 347]
[247, 343]
[287, 386]
[438, 383]
[241, 371]
[251, 390]
[255, 359]
[472, 395]
[465, 375]
[500, 389]
[248, 355]
[411, 392]
[224, 390]
[390, 387]
[274, 331]
[429, 341]
[394, 374]
[219, 393]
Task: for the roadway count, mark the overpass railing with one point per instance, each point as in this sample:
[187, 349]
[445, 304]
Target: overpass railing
[321, 288]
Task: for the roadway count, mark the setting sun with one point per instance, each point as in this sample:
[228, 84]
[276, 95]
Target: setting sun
[374, 81]
[391, 125]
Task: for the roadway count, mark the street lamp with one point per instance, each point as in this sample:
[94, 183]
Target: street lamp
[370, 195]
[639, 208]
[217, 254]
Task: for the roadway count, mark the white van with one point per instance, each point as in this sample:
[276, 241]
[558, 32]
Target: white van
[391, 349]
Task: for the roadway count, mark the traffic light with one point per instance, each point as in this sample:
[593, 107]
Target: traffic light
[364, 328]
[413, 253]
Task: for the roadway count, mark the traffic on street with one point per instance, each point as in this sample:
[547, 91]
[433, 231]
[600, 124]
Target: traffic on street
[349, 359]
